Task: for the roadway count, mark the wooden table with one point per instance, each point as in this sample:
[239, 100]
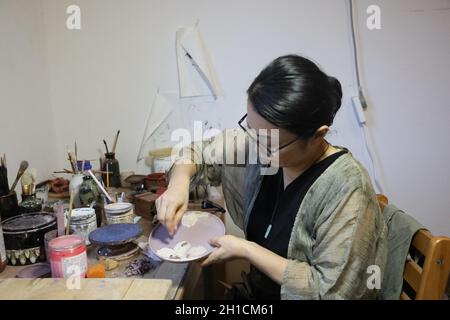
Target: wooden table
[167, 281]
[90, 289]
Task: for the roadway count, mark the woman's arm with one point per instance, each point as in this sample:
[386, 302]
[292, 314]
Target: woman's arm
[173, 203]
[347, 243]
[231, 247]
[202, 159]
[266, 261]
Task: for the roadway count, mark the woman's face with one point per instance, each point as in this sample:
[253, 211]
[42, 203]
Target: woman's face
[295, 154]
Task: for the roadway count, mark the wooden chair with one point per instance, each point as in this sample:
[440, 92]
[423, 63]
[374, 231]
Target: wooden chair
[427, 277]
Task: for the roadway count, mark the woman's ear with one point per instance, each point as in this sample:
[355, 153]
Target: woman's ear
[321, 132]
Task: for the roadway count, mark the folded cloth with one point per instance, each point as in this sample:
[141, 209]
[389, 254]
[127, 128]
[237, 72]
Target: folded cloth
[401, 230]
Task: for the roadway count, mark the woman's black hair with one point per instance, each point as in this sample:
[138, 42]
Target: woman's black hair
[294, 94]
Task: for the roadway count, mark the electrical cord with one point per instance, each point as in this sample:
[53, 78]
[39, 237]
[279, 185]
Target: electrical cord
[361, 104]
[355, 56]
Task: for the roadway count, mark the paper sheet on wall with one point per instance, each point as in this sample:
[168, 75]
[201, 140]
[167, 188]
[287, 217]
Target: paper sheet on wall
[159, 111]
[193, 115]
[196, 74]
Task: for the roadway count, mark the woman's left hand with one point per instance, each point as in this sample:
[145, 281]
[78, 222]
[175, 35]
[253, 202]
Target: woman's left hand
[227, 247]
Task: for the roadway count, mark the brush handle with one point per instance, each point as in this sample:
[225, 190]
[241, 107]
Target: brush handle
[74, 161]
[106, 146]
[100, 186]
[72, 164]
[19, 174]
[115, 142]
[4, 185]
[69, 216]
[107, 177]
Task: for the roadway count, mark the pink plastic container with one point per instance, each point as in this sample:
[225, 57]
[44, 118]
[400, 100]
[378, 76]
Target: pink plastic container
[68, 256]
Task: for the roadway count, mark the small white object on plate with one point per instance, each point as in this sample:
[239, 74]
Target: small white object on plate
[190, 218]
[182, 250]
[191, 240]
[166, 253]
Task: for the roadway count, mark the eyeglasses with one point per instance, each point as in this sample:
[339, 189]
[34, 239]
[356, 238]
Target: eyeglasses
[255, 137]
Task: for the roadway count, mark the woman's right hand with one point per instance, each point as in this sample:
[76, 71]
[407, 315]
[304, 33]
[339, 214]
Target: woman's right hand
[171, 206]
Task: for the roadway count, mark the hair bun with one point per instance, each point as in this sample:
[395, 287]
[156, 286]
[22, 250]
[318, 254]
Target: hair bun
[294, 94]
[337, 90]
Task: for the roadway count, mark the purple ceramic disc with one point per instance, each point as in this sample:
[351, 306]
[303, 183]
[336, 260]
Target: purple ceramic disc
[207, 227]
[38, 270]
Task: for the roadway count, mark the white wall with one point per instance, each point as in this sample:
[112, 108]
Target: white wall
[406, 67]
[124, 52]
[26, 123]
[103, 77]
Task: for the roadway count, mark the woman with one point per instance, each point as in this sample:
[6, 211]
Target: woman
[314, 227]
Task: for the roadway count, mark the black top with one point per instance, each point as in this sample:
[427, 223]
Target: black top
[278, 207]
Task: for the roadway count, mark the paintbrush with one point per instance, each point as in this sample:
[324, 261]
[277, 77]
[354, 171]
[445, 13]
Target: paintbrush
[100, 186]
[115, 142]
[28, 182]
[106, 146]
[69, 215]
[4, 185]
[72, 164]
[64, 171]
[74, 160]
[22, 168]
[29, 177]
[3, 160]
[99, 171]
[107, 177]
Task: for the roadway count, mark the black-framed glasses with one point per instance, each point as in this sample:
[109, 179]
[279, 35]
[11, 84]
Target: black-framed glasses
[255, 137]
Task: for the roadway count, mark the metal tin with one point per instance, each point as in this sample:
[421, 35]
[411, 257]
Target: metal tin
[24, 237]
[83, 221]
[120, 212]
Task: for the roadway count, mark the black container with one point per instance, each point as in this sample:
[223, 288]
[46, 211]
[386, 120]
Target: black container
[9, 206]
[24, 237]
[111, 165]
[30, 204]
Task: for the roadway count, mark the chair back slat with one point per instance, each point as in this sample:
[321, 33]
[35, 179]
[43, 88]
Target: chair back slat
[436, 269]
[421, 241]
[413, 274]
[429, 280]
